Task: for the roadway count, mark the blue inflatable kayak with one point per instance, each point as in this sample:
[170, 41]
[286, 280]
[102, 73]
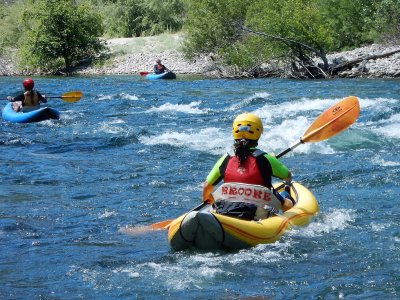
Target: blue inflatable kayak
[38, 115]
[166, 75]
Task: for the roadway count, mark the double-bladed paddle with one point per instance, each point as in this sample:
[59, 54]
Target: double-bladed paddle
[67, 97]
[331, 122]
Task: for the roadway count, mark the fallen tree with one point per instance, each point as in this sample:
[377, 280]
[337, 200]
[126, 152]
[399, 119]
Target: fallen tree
[346, 65]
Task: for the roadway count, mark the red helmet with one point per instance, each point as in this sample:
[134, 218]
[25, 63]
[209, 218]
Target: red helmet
[28, 83]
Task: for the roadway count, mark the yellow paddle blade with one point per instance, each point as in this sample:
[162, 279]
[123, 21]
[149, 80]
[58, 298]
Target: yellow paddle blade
[72, 96]
[333, 121]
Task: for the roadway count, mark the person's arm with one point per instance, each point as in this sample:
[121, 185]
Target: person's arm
[207, 193]
[42, 98]
[213, 178]
[20, 97]
[279, 170]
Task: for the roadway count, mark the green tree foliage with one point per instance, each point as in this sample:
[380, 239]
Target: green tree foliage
[59, 34]
[128, 18]
[291, 25]
[387, 20]
[162, 16]
[351, 22]
[211, 25]
[290, 30]
[10, 24]
[122, 18]
[284, 25]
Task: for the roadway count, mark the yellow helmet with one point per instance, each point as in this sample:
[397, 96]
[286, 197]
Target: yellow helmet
[247, 126]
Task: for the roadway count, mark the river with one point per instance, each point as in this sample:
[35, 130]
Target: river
[133, 152]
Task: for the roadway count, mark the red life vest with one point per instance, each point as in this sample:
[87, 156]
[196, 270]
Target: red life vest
[248, 172]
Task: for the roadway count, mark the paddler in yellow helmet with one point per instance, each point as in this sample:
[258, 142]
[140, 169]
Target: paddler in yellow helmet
[249, 165]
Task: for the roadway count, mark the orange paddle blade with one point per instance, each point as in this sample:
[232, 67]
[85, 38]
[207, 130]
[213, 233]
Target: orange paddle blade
[143, 73]
[71, 96]
[333, 121]
[144, 229]
[161, 225]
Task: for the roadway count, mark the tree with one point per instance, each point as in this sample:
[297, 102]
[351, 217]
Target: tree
[387, 20]
[210, 25]
[10, 24]
[123, 18]
[244, 34]
[161, 16]
[247, 33]
[59, 34]
[350, 22]
[128, 18]
[295, 31]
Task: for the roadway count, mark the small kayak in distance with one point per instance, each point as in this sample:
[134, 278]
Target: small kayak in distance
[205, 229]
[41, 114]
[166, 75]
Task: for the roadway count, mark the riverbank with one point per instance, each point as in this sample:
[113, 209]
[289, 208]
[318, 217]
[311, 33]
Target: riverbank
[134, 55]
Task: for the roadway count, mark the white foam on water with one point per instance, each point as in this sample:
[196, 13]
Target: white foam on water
[218, 142]
[294, 108]
[379, 161]
[248, 100]
[124, 96]
[184, 274]
[13, 139]
[389, 128]
[107, 214]
[280, 137]
[379, 227]
[106, 97]
[377, 104]
[339, 219]
[284, 124]
[107, 128]
[129, 97]
[210, 139]
[192, 270]
[157, 183]
[191, 108]
[116, 121]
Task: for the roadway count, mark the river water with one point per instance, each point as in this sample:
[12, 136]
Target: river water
[133, 152]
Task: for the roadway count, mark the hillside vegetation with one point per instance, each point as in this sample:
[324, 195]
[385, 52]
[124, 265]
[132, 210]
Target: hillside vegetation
[241, 35]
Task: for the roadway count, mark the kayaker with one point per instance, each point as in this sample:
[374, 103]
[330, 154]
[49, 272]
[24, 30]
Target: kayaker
[159, 68]
[30, 99]
[249, 165]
